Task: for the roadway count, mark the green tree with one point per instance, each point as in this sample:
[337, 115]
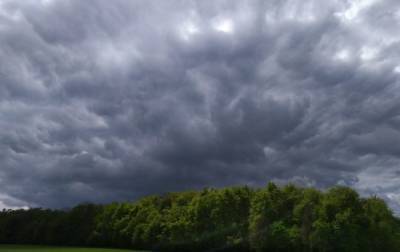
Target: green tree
[339, 223]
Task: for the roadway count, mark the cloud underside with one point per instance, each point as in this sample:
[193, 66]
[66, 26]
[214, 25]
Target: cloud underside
[113, 100]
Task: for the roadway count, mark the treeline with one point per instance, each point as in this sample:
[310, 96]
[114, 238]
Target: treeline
[273, 218]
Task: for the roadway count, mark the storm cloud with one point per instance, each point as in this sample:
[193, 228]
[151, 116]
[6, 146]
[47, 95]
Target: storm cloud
[113, 100]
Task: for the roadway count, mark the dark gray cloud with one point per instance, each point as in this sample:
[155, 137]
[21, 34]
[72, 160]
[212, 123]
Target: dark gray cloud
[113, 100]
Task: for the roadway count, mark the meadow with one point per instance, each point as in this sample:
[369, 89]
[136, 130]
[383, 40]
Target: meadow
[25, 248]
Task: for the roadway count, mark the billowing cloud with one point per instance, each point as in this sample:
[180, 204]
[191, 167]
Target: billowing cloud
[113, 100]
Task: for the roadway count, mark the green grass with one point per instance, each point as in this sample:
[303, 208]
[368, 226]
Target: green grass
[23, 248]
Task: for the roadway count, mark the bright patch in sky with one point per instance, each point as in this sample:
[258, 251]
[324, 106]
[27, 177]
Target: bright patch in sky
[223, 25]
[3, 205]
[342, 55]
[46, 2]
[355, 8]
[368, 53]
[188, 29]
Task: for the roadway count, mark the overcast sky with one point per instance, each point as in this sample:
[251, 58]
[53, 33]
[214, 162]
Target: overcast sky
[111, 100]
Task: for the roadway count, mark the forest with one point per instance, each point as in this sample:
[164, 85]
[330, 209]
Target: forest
[272, 218]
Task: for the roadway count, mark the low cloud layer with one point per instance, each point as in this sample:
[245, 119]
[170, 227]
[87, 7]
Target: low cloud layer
[112, 100]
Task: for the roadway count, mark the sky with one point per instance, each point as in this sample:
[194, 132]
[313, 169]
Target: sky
[106, 101]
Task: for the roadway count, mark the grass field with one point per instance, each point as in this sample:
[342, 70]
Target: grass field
[22, 248]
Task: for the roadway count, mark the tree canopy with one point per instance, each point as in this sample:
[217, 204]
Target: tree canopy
[273, 218]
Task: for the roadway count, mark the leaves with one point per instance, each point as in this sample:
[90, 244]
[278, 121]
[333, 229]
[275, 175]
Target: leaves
[272, 218]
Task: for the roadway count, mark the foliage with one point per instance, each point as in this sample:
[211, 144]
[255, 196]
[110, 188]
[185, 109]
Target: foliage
[273, 218]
